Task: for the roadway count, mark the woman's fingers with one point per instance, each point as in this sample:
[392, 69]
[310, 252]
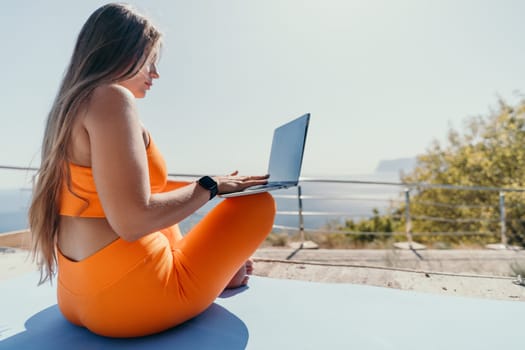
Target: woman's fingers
[261, 177]
[234, 182]
[254, 177]
[234, 176]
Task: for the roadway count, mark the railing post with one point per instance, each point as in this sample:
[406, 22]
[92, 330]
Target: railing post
[502, 218]
[301, 220]
[303, 244]
[409, 244]
[408, 220]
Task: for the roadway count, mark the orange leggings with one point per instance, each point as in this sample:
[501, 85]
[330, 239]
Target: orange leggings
[130, 289]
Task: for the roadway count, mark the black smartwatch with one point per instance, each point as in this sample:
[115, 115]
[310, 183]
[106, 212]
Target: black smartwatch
[209, 184]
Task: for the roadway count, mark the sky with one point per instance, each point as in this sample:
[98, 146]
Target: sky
[382, 79]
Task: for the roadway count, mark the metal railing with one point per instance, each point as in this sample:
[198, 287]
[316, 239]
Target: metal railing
[404, 198]
[350, 196]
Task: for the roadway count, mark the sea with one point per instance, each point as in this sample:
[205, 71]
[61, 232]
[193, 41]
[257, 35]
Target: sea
[327, 203]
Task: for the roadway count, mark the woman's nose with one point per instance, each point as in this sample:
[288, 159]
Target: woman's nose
[154, 72]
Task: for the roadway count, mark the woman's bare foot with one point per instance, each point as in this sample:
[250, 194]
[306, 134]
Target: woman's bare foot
[242, 276]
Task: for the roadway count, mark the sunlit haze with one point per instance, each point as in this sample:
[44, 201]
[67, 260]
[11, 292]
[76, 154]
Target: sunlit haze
[382, 79]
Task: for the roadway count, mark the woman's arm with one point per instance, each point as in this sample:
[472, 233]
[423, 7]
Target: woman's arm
[120, 170]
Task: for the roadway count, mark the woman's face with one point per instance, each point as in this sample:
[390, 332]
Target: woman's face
[143, 80]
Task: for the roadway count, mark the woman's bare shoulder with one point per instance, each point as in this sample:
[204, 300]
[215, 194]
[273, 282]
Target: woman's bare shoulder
[111, 100]
[111, 95]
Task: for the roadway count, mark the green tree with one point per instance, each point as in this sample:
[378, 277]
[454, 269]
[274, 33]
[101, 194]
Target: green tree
[367, 231]
[489, 153]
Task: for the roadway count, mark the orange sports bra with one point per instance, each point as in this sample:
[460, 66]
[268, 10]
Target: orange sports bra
[83, 200]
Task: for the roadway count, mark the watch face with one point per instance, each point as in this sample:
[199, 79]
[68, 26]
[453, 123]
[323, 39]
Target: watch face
[207, 182]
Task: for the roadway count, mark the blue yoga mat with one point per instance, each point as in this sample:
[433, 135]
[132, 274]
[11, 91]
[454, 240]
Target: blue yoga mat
[282, 314]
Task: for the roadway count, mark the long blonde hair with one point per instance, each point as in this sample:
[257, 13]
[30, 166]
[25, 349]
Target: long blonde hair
[112, 46]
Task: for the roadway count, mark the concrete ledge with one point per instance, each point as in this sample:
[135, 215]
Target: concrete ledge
[16, 239]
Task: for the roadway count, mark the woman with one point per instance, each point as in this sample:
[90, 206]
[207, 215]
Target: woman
[103, 210]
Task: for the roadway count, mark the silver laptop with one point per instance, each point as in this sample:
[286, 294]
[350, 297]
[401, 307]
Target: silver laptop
[286, 158]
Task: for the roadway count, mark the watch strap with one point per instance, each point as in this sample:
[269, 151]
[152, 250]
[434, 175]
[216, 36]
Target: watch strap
[209, 184]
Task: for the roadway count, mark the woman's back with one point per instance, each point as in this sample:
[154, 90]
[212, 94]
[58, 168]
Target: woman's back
[84, 228]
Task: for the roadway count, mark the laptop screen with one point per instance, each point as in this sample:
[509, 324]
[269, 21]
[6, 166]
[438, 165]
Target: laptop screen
[286, 156]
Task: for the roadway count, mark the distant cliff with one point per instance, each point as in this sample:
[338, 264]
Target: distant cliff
[396, 165]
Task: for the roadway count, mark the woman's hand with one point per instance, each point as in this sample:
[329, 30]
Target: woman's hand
[234, 182]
